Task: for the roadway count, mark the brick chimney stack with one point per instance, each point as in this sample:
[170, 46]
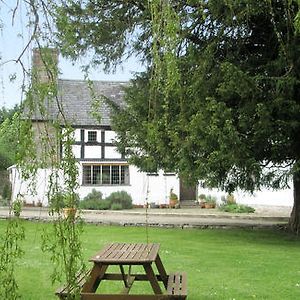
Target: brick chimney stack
[45, 65]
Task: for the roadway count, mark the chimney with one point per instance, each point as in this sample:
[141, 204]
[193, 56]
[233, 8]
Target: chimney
[45, 65]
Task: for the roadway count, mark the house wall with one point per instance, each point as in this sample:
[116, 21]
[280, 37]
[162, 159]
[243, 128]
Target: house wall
[45, 141]
[282, 197]
[31, 192]
[141, 186]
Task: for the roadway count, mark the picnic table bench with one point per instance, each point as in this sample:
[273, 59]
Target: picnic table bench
[173, 286]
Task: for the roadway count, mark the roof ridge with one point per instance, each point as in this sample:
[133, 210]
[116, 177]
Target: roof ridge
[100, 81]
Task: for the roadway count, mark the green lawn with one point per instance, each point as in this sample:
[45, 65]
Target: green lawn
[221, 264]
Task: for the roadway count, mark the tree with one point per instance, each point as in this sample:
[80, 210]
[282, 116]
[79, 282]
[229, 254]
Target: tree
[232, 117]
[8, 136]
[7, 113]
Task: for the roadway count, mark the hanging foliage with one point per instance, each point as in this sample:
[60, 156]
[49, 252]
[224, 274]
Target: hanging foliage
[10, 252]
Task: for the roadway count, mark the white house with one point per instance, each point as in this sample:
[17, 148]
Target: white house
[100, 165]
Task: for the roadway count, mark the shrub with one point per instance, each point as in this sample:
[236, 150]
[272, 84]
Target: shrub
[237, 208]
[93, 195]
[4, 202]
[211, 199]
[6, 192]
[122, 198]
[116, 206]
[95, 204]
[202, 197]
[230, 199]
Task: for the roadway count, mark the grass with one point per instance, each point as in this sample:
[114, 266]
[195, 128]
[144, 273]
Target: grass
[221, 264]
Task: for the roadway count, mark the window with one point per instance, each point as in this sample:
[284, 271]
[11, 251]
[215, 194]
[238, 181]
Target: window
[92, 136]
[105, 174]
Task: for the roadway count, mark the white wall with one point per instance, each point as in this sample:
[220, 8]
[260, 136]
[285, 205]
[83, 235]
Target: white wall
[92, 151]
[142, 187]
[31, 194]
[111, 153]
[263, 197]
[154, 188]
[110, 136]
[159, 187]
[76, 150]
[77, 135]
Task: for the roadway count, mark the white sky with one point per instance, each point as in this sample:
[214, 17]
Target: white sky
[11, 46]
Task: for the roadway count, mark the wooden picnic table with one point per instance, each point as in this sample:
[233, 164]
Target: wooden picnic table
[131, 254]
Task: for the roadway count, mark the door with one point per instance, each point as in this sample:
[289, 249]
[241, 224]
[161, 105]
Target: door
[187, 192]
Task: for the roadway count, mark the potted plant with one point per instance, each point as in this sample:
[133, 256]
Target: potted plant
[70, 204]
[66, 201]
[202, 200]
[173, 199]
[230, 199]
[211, 202]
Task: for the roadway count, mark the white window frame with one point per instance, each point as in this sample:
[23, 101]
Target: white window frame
[89, 179]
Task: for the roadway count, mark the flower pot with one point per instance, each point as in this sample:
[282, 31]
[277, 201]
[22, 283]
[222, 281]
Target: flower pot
[202, 204]
[163, 206]
[70, 212]
[210, 205]
[172, 203]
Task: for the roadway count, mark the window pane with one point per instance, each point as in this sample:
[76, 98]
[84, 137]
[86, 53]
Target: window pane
[86, 175]
[124, 175]
[105, 174]
[92, 136]
[96, 174]
[115, 174]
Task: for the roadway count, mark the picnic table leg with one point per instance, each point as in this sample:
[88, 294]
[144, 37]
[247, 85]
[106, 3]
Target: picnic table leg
[162, 271]
[94, 278]
[152, 278]
[124, 276]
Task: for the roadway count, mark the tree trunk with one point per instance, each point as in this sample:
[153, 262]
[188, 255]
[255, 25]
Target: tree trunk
[294, 222]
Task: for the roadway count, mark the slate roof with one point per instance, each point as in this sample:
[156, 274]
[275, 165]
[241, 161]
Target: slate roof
[77, 101]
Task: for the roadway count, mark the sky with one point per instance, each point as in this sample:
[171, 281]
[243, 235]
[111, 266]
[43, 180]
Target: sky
[12, 45]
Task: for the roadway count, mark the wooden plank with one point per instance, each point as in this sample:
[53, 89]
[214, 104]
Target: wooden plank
[130, 281]
[177, 284]
[152, 278]
[95, 278]
[80, 279]
[161, 270]
[184, 284]
[122, 253]
[90, 296]
[136, 253]
[123, 276]
[153, 252]
[118, 277]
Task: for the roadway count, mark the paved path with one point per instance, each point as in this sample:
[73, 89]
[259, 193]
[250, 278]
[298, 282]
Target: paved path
[264, 216]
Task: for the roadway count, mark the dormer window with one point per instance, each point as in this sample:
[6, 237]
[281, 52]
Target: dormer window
[92, 136]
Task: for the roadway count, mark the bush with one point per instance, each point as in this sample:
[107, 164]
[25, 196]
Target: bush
[6, 192]
[211, 199]
[94, 201]
[122, 198]
[116, 206]
[237, 208]
[4, 202]
[94, 195]
[95, 204]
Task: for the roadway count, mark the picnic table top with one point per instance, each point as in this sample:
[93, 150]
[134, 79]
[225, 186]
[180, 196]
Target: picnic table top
[127, 253]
